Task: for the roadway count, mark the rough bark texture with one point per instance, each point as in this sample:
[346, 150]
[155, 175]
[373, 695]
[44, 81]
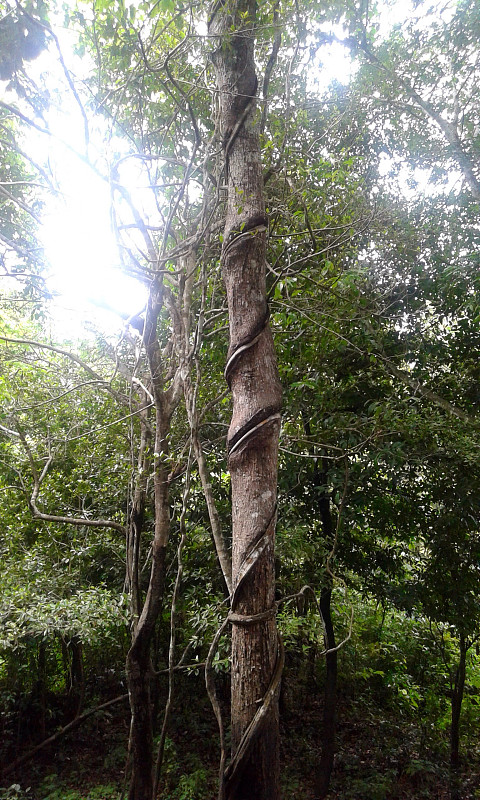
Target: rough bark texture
[253, 377]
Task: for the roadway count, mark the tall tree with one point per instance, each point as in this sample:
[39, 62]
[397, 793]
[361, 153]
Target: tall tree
[252, 443]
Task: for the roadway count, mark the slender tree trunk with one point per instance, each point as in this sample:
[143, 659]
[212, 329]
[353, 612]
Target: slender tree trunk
[138, 666]
[221, 550]
[139, 671]
[41, 686]
[325, 767]
[457, 698]
[252, 374]
[137, 517]
[77, 677]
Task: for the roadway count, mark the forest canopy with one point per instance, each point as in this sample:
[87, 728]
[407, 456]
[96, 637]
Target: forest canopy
[239, 386]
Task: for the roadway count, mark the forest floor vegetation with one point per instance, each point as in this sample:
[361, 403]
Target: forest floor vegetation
[380, 755]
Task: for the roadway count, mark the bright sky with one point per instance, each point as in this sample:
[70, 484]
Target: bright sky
[81, 248]
[77, 234]
[79, 242]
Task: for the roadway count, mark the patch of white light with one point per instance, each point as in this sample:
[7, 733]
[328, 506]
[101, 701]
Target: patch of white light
[78, 240]
[391, 14]
[409, 181]
[81, 250]
[84, 277]
[333, 62]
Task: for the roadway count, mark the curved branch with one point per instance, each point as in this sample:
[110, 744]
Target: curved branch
[37, 482]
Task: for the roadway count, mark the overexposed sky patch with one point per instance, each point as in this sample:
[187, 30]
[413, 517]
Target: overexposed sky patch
[84, 271]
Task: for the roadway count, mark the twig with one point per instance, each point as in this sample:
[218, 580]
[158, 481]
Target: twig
[66, 729]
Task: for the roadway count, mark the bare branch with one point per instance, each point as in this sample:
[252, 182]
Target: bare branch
[58, 734]
[37, 482]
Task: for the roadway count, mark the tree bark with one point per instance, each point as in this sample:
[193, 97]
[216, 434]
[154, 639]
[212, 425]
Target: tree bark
[41, 688]
[137, 516]
[457, 699]
[252, 442]
[138, 666]
[77, 677]
[325, 767]
[221, 549]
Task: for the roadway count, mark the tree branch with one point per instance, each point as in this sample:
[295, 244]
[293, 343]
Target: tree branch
[61, 732]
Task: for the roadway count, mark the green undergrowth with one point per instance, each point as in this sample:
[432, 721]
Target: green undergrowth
[392, 727]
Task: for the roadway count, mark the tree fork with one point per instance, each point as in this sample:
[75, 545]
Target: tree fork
[252, 440]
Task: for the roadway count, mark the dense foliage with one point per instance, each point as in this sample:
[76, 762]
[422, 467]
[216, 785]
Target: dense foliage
[372, 190]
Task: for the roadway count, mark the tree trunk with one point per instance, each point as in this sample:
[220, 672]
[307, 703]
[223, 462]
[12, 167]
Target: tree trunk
[457, 698]
[41, 688]
[322, 781]
[138, 666]
[137, 515]
[77, 677]
[252, 443]
[325, 768]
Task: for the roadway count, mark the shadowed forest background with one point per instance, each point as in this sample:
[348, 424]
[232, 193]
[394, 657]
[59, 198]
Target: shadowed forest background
[290, 178]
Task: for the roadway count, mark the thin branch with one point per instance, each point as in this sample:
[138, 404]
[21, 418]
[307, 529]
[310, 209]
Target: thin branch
[91, 432]
[37, 482]
[66, 71]
[19, 203]
[72, 357]
[171, 651]
[277, 40]
[61, 732]
[339, 520]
